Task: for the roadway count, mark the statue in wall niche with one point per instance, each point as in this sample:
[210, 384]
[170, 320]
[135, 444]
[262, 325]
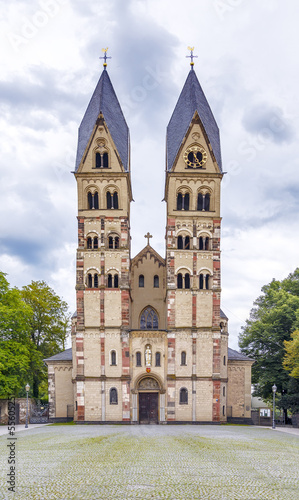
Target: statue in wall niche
[148, 355]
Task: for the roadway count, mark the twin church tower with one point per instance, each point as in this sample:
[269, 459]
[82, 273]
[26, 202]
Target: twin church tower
[149, 340]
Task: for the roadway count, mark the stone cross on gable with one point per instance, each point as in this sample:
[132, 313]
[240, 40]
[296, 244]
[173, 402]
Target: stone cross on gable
[148, 236]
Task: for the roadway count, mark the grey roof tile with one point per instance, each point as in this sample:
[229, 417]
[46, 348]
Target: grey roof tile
[104, 100]
[223, 315]
[237, 356]
[61, 356]
[191, 99]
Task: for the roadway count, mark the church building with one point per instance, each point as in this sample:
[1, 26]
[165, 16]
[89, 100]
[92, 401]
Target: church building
[149, 339]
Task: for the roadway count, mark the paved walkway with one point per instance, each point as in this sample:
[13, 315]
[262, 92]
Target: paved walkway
[173, 462]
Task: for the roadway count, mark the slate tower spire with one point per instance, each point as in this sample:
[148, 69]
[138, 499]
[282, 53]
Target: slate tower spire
[103, 255]
[192, 193]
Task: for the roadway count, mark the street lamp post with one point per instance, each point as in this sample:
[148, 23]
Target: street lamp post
[27, 390]
[274, 389]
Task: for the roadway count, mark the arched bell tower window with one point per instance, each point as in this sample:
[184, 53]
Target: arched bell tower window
[203, 202]
[183, 358]
[204, 281]
[102, 160]
[149, 319]
[183, 281]
[92, 243]
[112, 200]
[204, 243]
[93, 200]
[112, 280]
[92, 280]
[183, 200]
[113, 242]
[184, 242]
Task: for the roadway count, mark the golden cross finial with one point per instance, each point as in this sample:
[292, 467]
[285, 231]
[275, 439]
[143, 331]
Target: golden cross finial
[105, 57]
[191, 56]
[148, 236]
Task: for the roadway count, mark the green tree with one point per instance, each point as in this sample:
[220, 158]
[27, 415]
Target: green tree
[291, 357]
[15, 348]
[274, 316]
[49, 326]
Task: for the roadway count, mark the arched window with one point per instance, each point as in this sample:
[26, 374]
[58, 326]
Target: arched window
[115, 200]
[187, 280]
[115, 281]
[223, 391]
[183, 396]
[102, 160]
[109, 200]
[89, 280]
[179, 203]
[183, 242]
[105, 160]
[180, 280]
[96, 281]
[156, 281]
[113, 242]
[204, 243]
[183, 201]
[158, 359]
[201, 281]
[223, 410]
[200, 201]
[203, 202]
[149, 319]
[95, 243]
[183, 358]
[89, 243]
[204, 281]
[113, 358]
[224, 360]
[207, 281]
[113, 396]
[112, 200]
[109, 283]
[98, 160]
[138, 358]
[96, 201]
[90, 200]
[141, 281]
[207, 202]
[93, 200]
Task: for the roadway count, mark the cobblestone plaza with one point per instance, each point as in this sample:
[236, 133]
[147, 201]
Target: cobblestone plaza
[153, 462]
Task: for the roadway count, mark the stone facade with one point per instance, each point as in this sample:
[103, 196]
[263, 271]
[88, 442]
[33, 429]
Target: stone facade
[149, 341]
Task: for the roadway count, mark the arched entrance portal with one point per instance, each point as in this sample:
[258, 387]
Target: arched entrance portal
[148, 400]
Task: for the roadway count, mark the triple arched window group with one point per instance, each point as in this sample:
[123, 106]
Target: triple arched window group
[111, 200]
[203, 201]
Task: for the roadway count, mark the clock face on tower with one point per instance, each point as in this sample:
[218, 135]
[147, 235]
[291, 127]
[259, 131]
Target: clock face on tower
[195, 156]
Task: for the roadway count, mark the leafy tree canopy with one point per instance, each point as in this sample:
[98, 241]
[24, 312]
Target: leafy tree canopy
[291, 358]
[34, 324]
[272, 320]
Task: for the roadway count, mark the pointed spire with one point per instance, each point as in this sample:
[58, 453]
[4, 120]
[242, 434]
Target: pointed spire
[191, 99]
[104, 100]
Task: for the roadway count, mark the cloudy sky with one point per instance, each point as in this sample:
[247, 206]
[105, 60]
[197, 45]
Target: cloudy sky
[247, 66]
